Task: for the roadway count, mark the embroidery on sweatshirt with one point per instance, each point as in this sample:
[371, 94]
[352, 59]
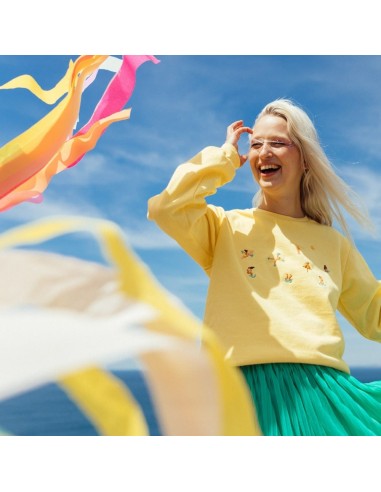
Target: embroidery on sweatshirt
[247, 253]
[276, 258]
[288, 278]
[321, 281]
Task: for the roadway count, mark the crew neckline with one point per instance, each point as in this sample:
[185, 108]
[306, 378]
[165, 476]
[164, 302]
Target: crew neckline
[280, 216]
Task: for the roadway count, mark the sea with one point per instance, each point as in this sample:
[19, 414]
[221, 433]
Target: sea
[47, 411]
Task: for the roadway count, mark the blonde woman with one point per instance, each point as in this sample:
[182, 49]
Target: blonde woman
[275, 309]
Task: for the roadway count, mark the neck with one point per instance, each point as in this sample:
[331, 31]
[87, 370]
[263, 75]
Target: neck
[283, 206]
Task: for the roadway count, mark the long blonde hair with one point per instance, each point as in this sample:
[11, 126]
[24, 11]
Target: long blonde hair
[323, 193]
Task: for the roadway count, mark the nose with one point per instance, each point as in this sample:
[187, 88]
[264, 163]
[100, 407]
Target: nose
[265, 149]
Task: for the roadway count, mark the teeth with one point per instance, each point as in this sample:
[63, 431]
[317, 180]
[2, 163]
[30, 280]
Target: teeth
[269, 166]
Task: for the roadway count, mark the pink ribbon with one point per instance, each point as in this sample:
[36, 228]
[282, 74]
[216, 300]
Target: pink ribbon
[118, 92]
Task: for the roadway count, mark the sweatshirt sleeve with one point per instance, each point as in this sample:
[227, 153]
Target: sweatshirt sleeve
[360, 299]
[181, 210]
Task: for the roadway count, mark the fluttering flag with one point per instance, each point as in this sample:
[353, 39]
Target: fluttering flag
[30, 160]
[65, 326]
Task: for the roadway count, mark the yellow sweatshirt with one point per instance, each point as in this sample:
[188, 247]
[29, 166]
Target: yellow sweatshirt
[275, 281]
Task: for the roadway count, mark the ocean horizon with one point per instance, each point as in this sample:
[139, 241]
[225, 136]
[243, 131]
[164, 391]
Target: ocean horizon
[47, 411]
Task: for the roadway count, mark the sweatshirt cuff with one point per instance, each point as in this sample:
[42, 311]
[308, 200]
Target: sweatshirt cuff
[232, 154]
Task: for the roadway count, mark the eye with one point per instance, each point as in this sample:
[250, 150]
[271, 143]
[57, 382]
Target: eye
[256, 144]
[277, 144]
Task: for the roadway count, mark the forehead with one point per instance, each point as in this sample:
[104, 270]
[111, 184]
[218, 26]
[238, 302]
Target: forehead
[270, 126]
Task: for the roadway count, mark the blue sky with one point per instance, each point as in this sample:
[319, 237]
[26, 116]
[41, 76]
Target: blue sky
[180, 106]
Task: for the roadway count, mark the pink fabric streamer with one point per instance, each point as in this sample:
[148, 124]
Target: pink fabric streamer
[118, 92]
[29, 161]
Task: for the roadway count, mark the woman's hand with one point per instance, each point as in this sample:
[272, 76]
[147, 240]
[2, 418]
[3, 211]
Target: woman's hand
[233, 134]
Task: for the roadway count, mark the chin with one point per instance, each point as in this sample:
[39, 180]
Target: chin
[267, 184]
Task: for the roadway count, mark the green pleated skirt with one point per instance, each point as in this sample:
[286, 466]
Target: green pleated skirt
[312, 400]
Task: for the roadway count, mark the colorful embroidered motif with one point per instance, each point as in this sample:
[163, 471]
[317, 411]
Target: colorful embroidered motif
[275, 259]
[307, 266]
[246, 253]
[250, 272]
[321, 281]
[288, 278]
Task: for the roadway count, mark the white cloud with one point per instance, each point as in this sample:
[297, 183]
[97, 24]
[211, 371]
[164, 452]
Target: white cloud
[27, 212]
[365, 182]
[94, 167]
[146, 235]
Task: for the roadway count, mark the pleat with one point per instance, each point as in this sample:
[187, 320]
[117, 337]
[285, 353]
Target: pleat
[313, 400]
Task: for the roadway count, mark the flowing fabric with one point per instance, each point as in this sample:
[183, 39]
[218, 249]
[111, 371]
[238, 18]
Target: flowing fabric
[64, 321]
[30, 160]
[311, 400]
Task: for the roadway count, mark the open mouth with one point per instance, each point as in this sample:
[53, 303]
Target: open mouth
[267, 169]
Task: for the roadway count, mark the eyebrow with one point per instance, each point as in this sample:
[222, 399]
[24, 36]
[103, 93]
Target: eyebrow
[273, 138]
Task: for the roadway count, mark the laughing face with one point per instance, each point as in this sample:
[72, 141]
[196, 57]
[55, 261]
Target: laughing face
[274, 160]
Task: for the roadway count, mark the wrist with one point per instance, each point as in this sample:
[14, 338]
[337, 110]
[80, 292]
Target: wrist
[231, 152]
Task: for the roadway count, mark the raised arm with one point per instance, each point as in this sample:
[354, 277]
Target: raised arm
[181, 209]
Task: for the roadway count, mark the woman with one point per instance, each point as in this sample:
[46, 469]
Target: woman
[279, 272]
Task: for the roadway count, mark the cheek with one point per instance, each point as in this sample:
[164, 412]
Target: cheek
[297, 162]
[298, 168]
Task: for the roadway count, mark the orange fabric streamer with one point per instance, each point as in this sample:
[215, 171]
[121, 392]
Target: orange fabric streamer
[29, 161]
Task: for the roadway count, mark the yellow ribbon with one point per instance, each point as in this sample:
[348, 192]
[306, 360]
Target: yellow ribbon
[28, 162]
[106, 402]
[238, 415]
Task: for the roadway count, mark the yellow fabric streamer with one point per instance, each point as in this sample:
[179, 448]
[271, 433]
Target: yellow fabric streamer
[106, 402]
[237, 415]
[49, 96]
[25, 155]
[70, 151]
[28, 162]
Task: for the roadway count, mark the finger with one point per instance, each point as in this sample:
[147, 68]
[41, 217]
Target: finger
[236, 132]
[235, 123]
[244, 129]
